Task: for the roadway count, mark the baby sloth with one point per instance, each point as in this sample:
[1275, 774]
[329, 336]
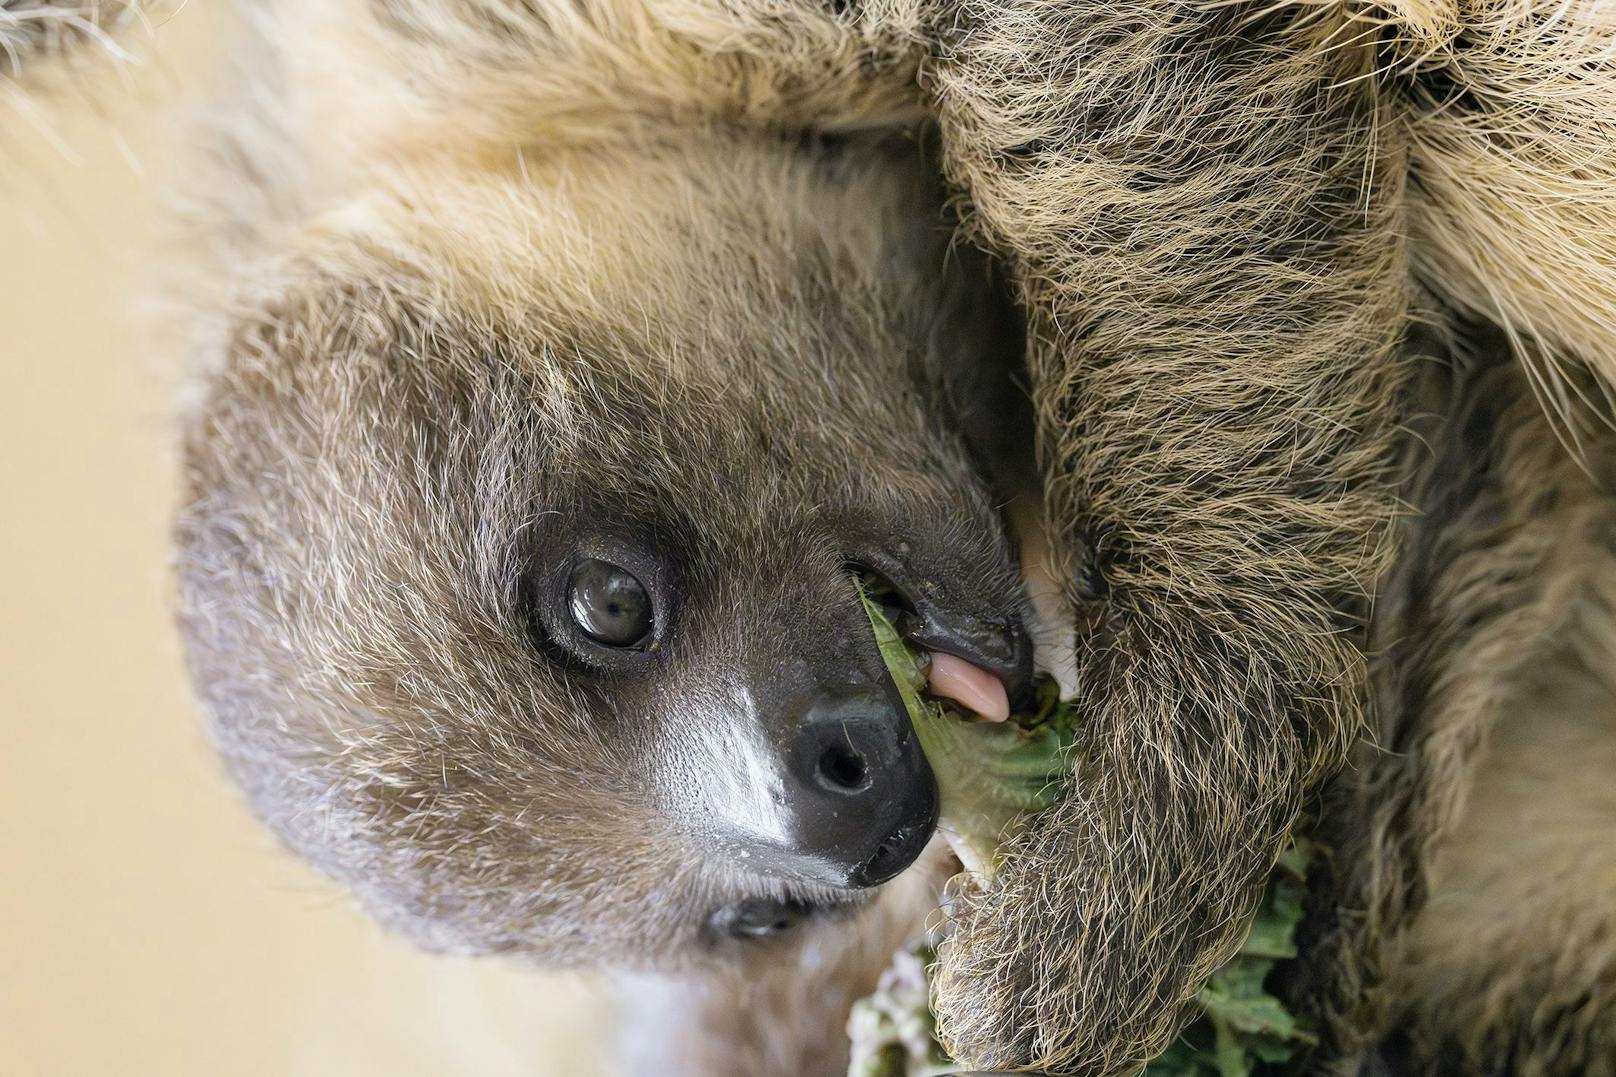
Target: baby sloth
[524, 596]
[563, 363]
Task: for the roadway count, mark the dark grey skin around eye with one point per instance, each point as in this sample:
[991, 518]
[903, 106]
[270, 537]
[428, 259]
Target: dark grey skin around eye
[609, 604]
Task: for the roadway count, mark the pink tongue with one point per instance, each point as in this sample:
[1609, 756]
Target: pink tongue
[970, 686]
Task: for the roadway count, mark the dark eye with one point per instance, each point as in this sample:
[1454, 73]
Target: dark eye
[609, 604]
[759, 918]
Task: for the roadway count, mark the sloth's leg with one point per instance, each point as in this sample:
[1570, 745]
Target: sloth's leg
[1201, 204]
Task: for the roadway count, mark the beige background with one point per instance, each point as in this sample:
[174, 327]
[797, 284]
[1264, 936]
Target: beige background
[146, 925]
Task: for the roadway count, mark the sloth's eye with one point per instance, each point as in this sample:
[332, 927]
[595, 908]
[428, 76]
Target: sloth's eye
[608, 603]
[759, 918]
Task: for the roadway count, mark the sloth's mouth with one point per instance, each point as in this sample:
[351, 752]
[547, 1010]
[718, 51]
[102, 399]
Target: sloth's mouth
[977, 664]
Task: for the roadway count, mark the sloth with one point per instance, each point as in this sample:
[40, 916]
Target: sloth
[1463, 932]
[562, 366]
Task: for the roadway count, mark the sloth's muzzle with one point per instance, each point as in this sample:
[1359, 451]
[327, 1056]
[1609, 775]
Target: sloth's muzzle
[857, 793]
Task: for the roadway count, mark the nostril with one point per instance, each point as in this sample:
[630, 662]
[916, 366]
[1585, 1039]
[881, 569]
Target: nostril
[842, 770]
[859, 800]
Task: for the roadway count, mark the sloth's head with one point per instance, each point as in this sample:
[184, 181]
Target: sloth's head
[518, 565]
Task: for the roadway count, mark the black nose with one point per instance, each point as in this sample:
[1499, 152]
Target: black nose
[859, 792]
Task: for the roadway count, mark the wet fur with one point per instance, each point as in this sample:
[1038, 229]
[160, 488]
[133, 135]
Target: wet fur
[1220, 219]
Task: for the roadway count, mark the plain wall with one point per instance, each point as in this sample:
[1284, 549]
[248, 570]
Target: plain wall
[147, 925]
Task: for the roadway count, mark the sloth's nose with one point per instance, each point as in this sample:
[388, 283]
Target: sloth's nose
[859, 791]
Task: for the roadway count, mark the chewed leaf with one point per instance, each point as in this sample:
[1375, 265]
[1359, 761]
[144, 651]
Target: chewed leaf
[989, 775]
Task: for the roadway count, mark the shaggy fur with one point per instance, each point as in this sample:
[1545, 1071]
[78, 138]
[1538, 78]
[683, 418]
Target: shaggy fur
[1510, 121]
[466, 261]
[1469, 930]
[1207, 222]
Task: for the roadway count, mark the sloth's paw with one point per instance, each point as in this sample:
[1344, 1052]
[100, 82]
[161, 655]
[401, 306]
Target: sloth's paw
[1048, 968]
[986, 983]
[1010, 987]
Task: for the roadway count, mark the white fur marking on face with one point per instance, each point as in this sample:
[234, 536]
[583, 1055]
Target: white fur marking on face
[732, 771]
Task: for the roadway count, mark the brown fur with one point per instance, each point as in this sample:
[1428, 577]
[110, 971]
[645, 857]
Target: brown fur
[1216, 216]
[487, 401]
[1471, 930]
[1208, 226]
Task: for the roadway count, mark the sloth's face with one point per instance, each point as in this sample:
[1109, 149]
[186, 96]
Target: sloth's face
[540, 630]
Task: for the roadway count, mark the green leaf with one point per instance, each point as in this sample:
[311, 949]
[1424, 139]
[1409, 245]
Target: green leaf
[1242, 1022]
[989, 774]
[1259, 1015]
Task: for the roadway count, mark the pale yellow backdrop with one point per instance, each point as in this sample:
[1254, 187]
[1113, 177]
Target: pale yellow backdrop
[146, 925]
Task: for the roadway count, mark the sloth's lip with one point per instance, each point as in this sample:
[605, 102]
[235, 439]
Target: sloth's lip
[979, 660]
[984, 664]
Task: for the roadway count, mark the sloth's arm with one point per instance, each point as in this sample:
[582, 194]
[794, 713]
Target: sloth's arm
[1513, 109]
[1201, 205]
